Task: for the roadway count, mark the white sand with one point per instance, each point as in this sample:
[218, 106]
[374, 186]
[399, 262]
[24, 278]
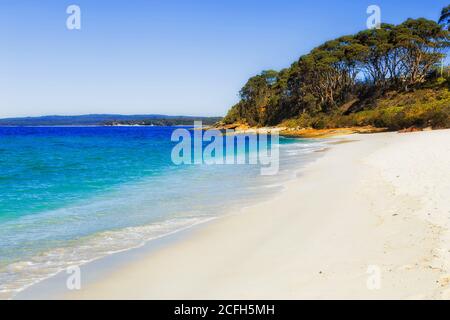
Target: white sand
[381, 201]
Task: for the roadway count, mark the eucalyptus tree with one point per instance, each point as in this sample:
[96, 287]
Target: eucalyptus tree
[256, 95]
[424, 43]
[392, 57]
[378, 51]
[445, 17]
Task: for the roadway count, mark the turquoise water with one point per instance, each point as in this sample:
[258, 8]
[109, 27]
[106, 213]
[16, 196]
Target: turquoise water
[69, 195]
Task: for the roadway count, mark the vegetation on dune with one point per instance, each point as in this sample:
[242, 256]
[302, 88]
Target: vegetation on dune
[389, 77]
[420, 108]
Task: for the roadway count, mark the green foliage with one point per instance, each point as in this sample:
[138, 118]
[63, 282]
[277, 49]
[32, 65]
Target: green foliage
[445, 17]
[421, 108]
[360, 67]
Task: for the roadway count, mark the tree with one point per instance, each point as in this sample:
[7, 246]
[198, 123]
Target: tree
[445, 17]
[256, 95]
[380, 55]
[423, 43]
[349, 68]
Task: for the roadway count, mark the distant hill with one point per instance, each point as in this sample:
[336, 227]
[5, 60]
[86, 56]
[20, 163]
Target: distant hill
[106, 119]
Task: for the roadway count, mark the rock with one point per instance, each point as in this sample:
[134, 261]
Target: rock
[410, 129]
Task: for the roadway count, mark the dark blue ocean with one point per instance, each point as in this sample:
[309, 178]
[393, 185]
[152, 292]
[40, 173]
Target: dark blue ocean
[69, 195]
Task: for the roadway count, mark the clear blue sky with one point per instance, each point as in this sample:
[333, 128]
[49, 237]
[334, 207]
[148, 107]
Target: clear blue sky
[169, 56]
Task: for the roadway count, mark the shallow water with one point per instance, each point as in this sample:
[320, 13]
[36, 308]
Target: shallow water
[69, 195]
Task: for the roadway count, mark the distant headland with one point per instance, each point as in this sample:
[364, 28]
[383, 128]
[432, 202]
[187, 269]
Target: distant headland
[394, 78]
[107, 120]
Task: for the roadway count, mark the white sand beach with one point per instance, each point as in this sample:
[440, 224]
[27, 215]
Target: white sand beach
[380, 202]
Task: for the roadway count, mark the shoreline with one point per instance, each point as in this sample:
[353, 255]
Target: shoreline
[298, 132]
[297, 246]
[53, 286]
